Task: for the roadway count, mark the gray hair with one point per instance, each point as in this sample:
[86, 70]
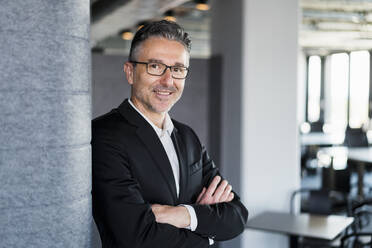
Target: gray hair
[166, 29]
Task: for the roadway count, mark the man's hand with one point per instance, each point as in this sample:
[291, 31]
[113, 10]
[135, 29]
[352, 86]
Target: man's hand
[215, 194]
[176, 216]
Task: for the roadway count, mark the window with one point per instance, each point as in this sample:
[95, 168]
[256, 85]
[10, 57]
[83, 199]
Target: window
[314, 82]
[346, 90]
[336, 109]
[359, 88]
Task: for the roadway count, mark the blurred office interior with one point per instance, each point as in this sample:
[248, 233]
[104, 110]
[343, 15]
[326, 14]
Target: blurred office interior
[278, 91]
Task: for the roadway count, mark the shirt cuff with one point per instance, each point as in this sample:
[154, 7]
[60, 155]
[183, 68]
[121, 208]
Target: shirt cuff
[211, 241]
[193, 219]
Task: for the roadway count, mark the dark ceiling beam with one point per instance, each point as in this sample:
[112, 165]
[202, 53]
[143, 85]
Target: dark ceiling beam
[101, 8]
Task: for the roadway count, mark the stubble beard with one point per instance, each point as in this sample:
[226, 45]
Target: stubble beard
[146, 101]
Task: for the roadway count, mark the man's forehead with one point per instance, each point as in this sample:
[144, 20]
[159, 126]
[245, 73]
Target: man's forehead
[158, 49]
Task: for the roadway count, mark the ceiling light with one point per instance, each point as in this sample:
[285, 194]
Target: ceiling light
[202, 5]
[126, 34]
[305, 127]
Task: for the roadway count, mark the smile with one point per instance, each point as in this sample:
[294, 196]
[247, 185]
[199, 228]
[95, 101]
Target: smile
[163, 93]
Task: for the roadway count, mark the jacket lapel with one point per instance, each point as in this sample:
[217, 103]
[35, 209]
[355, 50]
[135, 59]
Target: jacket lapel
[153, 144]
[181, 154]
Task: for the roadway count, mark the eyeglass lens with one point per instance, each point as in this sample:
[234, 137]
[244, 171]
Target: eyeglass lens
[159, 69]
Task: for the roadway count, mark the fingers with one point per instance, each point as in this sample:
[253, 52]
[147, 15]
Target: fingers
[201, 195]
[212, 187]
[231, 197]
[219, 191]
[225, 195]
[216, 192]
[205, 197]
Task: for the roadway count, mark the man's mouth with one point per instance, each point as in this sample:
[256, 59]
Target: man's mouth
[163, 93]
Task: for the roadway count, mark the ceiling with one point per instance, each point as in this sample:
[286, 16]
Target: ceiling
[327, 25]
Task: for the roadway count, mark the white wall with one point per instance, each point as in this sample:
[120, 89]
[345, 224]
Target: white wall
[270, 157]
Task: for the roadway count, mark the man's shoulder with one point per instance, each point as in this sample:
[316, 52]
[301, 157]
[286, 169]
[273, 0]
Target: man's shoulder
[111, 122]
[112, 117]
[182, 126]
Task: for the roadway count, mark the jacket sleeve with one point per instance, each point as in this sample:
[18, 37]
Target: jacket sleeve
[122, 216]
[220, 221]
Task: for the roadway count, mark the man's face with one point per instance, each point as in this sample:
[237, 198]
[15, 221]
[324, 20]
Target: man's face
[156, 94]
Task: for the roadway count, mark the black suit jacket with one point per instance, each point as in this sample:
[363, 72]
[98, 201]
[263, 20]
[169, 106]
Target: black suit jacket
[131, 171]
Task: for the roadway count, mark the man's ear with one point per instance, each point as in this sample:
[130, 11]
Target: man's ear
[129, 72]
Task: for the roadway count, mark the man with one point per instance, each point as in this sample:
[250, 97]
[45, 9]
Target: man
[154, 184]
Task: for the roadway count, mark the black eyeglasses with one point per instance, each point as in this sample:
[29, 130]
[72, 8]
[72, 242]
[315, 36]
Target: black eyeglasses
[158, 69]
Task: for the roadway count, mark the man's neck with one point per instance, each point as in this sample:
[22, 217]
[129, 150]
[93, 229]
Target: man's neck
[156, 118]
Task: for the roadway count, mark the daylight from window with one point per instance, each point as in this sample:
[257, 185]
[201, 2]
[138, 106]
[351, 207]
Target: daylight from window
[339, 77]
[314, 79]
[359, 88]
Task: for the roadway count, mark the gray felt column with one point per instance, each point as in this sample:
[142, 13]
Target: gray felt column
[45, 113]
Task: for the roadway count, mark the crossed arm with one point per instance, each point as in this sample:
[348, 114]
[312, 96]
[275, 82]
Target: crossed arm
[179, 217]
[124, 217]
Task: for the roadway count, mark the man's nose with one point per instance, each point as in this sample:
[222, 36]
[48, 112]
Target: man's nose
[167, 78]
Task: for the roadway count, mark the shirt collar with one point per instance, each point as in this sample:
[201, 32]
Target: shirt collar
[167, 124]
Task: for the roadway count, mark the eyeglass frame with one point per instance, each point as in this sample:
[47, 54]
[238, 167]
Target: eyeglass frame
[166, 67]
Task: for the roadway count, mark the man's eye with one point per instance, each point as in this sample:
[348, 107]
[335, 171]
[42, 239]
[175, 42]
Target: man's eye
[154, 65]
[176, 69]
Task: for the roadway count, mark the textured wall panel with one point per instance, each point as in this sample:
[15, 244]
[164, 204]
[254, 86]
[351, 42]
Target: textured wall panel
[43, 176]
[42, 118]
[64, 17]
[45, 106]
[57, 225]
[41, 61]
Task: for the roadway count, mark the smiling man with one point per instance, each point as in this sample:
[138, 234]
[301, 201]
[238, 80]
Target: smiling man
[154, 184]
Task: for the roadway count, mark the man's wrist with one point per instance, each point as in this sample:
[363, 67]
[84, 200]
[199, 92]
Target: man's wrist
[177, 216]
[186, 218]
[193, 218]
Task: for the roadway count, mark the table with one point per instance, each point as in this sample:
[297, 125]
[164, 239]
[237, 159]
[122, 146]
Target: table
[322, 139]
[361, 155]
[301, 225]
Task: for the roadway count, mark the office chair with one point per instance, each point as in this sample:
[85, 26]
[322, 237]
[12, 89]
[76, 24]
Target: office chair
[356, 240]
[361, 235]
[316, 126]
[355, 137]
[317, 202]
[362, 212]
[337, 181]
